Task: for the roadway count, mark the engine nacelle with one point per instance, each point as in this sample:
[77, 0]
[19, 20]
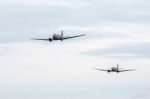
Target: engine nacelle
[50, 39]
[108, 71]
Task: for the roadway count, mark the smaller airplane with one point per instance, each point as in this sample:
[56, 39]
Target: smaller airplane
[60, 37]
[115, 69]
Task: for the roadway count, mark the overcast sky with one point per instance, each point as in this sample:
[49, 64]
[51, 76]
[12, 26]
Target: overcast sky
[117, 33]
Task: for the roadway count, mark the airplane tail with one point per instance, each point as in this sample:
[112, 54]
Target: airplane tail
[62, 33]
[118, 66]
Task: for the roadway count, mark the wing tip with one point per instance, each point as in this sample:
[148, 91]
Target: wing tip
[95, 68]
[32, 39]
[83, 34]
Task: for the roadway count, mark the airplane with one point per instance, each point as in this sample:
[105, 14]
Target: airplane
[60, 37]
[115, 69]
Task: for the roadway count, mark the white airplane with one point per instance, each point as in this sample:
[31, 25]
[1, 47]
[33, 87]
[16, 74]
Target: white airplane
[60, 37]
[115, 69]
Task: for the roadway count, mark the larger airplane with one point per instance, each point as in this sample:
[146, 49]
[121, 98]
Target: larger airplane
[60, 37]
[115, 69]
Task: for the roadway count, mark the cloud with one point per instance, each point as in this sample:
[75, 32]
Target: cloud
[35, 70]
[124, 50]
[21, 21]
[57, 3]
[43, 70]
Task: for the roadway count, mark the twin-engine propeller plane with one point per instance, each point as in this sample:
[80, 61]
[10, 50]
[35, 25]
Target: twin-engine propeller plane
[115, 69]
[60, 37]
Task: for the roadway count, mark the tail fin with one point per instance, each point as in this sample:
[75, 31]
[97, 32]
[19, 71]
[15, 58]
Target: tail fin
[118, 66]
[62, 33]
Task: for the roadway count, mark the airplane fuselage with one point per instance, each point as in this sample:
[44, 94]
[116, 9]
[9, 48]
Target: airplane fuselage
[57, 37]
[113, 69]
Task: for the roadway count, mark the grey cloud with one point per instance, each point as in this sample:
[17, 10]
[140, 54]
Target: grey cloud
[124, 50]
[131, 11]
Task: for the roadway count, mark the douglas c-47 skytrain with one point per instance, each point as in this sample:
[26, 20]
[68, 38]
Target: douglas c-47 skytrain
[115, 69]
[60, 37]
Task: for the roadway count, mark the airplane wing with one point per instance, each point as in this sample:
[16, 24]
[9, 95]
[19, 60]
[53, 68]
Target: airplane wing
[127, 70]
[49, 39]
[69, 37]
[100, 69]
[42, 39]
